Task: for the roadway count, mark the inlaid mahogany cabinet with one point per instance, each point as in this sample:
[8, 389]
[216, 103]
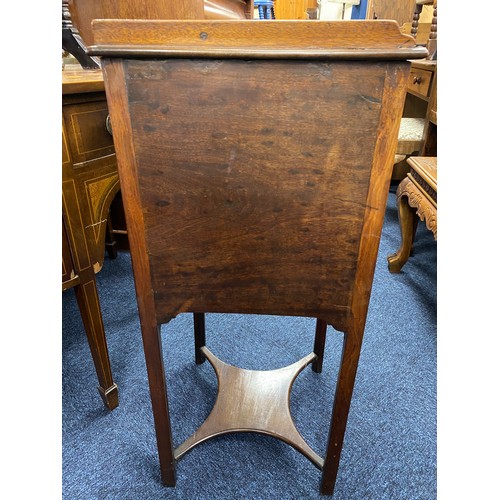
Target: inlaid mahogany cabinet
[254, 161]
[89, 184]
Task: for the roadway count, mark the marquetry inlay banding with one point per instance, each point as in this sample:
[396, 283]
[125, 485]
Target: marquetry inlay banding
[87, 142]
[98, 192]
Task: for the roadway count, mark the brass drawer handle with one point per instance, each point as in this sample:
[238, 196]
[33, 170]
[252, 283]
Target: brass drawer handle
[108, 125]
[417, 80]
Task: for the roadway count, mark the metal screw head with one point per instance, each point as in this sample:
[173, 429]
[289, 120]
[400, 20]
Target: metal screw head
[203, 35]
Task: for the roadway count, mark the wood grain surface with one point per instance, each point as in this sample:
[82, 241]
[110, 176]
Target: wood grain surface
[249, 206]
[262, 39]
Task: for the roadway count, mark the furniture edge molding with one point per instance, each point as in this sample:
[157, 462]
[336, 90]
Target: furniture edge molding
[263, 39]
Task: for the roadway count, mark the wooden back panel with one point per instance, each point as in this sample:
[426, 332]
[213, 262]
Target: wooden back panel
[255, 184]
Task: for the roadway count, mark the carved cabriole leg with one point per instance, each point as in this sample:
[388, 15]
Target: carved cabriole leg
[90, 310]
[341, 404]
[407, 224]
[415, 225]
[319, 345]
[412, 204]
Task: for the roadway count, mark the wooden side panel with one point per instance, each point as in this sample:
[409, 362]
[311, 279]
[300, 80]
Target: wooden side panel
[254, 193]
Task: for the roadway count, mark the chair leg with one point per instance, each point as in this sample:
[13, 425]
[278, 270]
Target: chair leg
[199, 337]
[341, 404]
[159, 400]
[319, 345]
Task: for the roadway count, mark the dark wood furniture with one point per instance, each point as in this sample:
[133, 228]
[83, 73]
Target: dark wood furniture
[89, 183]
[416, 198]
[255, 161]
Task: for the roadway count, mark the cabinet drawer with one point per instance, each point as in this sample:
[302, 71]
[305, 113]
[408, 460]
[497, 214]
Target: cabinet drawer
[88, 135]
[420, 81]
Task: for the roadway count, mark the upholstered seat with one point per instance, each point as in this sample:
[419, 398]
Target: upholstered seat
[411, 135]
[410, 141]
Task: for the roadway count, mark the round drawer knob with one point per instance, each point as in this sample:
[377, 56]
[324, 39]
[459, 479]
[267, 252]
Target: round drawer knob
[108, 125]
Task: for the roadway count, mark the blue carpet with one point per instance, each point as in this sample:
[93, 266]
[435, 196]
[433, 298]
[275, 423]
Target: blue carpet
[390, 444]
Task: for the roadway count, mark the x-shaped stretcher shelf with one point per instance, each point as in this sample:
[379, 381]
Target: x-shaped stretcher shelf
[253, 401]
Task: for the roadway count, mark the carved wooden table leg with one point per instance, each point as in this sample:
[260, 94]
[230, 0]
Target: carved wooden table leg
[253, 401]
[407, 224]
[416, 198]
